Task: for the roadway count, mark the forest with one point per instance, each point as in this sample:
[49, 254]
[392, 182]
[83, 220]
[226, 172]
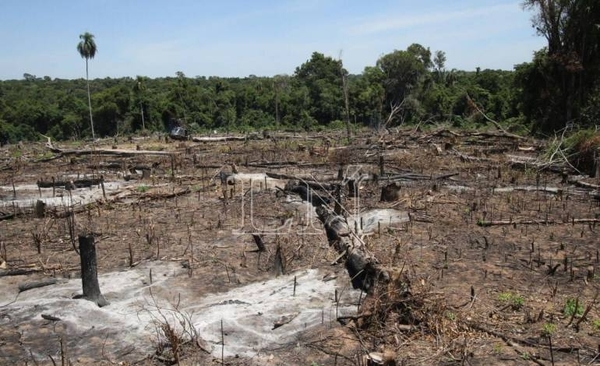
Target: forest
[559, 87]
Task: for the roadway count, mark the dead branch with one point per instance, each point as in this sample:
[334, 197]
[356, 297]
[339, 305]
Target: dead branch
[158, 196]
[534, 222]
[496, 124]
[18, 271]
[582, 184]
[226, 138]
[117, 152]
[468, 158]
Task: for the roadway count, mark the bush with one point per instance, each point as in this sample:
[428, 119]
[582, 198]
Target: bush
[573, 307]
[583, 148]
[12, 134]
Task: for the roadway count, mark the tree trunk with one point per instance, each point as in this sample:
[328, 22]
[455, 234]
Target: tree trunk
[347, 105]
[362, 266]
[87, 78]
[143, 120]
[277, 108]
[89, 273]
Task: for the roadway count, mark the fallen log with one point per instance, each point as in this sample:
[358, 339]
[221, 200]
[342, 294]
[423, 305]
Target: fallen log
[36, 284]
[208, 166]
[18, 271]
[283, 320]
[270, 164]
[469, 158]
[6, 216]
[77, 183]
[535, 222]
[362, 266]
[582, 184]
[116, 152]
[526, 162]
[225, 138]
[310, 182]
[156, 196]
[413, 176]
[550, 190]
[309, 195]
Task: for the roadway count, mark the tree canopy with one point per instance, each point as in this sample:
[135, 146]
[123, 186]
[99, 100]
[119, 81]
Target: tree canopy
[87, 49]
[560, 86]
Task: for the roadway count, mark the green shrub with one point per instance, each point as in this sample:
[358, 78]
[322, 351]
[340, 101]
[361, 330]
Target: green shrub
[515, 301]
[573, 307]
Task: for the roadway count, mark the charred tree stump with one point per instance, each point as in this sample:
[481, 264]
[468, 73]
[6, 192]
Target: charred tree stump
[40, 209]
[362, 266]
[352, 188]
[341, 172]
[89, 271]
[260, 244]
[390, 193]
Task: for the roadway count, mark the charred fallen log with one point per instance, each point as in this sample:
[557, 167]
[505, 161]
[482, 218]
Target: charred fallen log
[310, 182]
[362, 266]
[6, 216]
[36, 284]
[310, 195]
[18, 271]
[76, 183]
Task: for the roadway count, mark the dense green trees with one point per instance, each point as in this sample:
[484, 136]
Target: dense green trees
[560, 85]
[311, 98]
[321, 78]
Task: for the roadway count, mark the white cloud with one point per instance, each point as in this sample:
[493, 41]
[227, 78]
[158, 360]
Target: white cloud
[398, 22]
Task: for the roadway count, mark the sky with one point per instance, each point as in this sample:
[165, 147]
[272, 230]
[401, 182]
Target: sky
[238, 38]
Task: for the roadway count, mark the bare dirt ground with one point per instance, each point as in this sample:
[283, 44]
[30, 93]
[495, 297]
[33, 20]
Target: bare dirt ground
[493, 258]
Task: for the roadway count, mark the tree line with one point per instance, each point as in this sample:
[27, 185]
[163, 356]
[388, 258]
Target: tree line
[405, 86]
[559, 87]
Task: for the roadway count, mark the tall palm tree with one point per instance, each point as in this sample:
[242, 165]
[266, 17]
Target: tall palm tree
[87, 49]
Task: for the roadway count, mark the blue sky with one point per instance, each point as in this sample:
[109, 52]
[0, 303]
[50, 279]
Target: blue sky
[260, 37]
